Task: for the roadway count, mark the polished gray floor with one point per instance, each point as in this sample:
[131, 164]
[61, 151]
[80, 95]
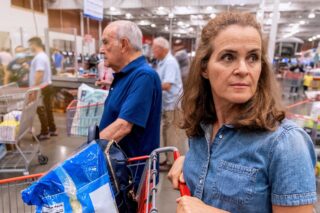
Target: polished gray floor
[58, 148]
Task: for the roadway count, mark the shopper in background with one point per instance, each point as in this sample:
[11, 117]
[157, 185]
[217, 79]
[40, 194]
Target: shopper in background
[180, 53]
[244, 155]
[105, 74]
[169, 72]
[18, 68]
[307, 80]
[132, 110]
[5, 59]
[58, 60]
[40, 75]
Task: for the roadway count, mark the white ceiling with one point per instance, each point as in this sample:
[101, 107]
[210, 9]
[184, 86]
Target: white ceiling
[190, 15]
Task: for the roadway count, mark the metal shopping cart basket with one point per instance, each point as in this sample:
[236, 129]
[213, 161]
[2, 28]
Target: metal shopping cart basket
[306, 114]
[10, 197]
[19, 159]
[81, 116]
[146, 197]
[11, 97]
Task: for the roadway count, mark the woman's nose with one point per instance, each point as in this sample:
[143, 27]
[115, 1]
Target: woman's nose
[242, 68]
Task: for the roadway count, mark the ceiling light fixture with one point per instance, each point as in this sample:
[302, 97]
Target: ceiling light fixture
[112, 9]
[166, 28]
[171, 15]
[302, 22]
[311, 15]
[209, 8]
[128, 16]
[310, 39]
[153, 25]
[212, 16]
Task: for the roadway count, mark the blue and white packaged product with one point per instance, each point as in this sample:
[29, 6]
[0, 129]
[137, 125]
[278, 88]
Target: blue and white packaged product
[79, 184]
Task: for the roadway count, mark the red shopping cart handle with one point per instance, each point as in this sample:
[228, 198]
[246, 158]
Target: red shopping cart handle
[183, 188]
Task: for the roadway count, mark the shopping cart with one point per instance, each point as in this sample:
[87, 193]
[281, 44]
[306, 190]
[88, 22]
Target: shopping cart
[11, 97]
[18, 160]
[146, 196]
[10, 194]
[81, 116]
[306, 114]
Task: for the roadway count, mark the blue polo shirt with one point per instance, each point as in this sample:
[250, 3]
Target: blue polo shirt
[135, 96]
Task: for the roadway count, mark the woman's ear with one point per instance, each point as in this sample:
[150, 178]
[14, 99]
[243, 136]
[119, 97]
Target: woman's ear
[204, 73]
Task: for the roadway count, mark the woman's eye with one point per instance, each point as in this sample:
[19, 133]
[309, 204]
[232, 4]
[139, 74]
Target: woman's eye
[227, 57]
[253, 58]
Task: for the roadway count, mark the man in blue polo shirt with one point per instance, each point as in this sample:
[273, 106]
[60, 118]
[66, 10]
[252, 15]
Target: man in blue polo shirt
[132, 111]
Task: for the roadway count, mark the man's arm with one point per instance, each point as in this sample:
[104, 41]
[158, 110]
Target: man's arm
[38, 77]
[117, 130]
[166, 86]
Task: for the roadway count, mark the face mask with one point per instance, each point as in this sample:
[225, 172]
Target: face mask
[21, 55]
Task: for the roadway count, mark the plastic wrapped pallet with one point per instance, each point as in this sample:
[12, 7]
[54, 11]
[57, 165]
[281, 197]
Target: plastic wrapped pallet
[9, 130]
[14, 115]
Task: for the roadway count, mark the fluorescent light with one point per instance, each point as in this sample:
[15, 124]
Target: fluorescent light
[144, 23]
[318, 36]
[310, 39]
[171, 15]
[212, 16]
[128, 16]
[311, 15]
[302, 22]
[180, 23]
[112, 9]
[153, 25]
[166, 28]
[209, 8]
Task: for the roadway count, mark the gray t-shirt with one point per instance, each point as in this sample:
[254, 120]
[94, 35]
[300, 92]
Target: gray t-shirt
[40, 63]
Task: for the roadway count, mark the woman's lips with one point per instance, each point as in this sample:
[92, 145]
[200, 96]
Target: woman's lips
[239, 85]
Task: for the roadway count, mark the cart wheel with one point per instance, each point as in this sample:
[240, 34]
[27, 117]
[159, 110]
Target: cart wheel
[43, 160]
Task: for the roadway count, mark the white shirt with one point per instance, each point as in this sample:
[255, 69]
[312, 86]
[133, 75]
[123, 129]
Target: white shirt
[169, 72]
[40, 63]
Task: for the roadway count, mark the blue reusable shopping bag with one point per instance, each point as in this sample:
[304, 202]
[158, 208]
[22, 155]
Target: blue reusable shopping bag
[79, 184]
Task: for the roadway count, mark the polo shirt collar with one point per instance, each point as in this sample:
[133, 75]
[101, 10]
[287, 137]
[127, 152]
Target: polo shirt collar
[165, 58]
[133, 64]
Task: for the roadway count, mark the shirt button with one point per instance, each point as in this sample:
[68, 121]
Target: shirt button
[201, 181]
[220, 136]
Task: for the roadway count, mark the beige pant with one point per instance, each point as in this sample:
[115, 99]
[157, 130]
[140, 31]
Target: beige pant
[171, 135]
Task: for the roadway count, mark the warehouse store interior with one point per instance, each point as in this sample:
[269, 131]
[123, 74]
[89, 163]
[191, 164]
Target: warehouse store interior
[99, 98]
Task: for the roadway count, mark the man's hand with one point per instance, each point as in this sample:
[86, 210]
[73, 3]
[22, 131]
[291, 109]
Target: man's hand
[188, 204]
[175, 174]
[117, 130]
[166, 86]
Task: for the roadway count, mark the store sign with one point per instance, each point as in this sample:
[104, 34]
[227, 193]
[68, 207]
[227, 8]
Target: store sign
[93, 9]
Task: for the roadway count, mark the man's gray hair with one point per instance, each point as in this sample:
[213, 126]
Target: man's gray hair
[162, 42]
[129, 30]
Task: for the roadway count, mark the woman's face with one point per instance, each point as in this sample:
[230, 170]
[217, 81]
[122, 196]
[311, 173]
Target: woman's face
[234, 66]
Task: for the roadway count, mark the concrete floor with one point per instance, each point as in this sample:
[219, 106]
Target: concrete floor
[58, 148]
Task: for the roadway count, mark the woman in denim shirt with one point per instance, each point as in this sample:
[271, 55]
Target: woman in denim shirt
[244, 155]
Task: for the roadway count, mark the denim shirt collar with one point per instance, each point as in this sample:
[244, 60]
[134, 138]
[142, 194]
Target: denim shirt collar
[208, 128]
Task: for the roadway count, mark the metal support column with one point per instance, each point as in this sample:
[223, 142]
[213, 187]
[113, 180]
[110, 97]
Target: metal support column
[274, 28]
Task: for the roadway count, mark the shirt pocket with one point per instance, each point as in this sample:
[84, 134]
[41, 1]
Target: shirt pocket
[234, 183]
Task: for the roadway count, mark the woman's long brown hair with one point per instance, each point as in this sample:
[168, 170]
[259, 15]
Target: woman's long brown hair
[263, 111]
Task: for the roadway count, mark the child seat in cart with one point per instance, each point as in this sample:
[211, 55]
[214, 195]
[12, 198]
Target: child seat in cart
[19, 159]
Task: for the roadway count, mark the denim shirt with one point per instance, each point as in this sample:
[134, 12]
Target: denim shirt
[249, 171]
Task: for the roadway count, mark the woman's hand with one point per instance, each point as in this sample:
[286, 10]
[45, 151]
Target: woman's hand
[188, 204]
[175, 174]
